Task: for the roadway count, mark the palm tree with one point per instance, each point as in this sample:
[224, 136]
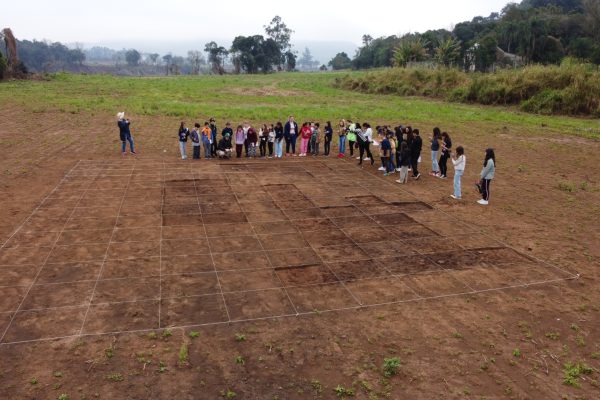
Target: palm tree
[410, 49]
[448, 52]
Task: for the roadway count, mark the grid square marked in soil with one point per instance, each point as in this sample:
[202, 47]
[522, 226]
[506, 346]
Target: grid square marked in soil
[165, 245]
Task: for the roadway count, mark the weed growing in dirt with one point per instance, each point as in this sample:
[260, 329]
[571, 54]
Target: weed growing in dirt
[152, 336]
[183, 354]
[58, 374]
[391, 366]
[516, 353]
[116, 377]
[553, 335]
[575, 327]
[194, 334]
[595, 355]
[162, 367]
[567, 186]
[457, 335]
[167, 333]
[240, 360]
[580, 341]
[573, 372]
[341, 391]
[316, 385]
[33, 381]
[109, 352]
[228, 394]
[239, 337]
[63, 397]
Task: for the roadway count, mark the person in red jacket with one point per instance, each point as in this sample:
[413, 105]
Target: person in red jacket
[305, 133]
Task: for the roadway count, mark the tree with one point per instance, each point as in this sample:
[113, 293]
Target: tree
[412, 48]
[216, 57]
[132, 57]
[196, 59]
[307, 62]
[2, 65]
[168, 59]
[367, 39]
[281, 34]
[323, 67]
[290, 61]
[253, 54]
[485, 53]
[340, 61]
[154, 57]
[448, 52]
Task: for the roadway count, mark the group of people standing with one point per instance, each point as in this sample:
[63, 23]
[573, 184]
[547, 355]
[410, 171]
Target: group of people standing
[400, 147]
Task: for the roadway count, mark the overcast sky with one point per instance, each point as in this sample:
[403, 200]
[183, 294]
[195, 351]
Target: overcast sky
[134, 21]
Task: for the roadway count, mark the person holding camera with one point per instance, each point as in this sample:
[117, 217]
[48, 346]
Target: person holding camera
[125, 133]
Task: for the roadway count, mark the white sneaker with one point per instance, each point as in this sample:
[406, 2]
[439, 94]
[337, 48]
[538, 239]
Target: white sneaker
[381, 169]
[366, 159]
[358, 158]
[483, 202]
[454, 197]
[399, 181]
[398, 169]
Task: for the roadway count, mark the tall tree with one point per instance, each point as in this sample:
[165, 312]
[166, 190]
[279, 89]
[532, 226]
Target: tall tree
[196, 59]
[340, 61]
[307, 61]
[132, 57]
[281, 34]
[216, 57]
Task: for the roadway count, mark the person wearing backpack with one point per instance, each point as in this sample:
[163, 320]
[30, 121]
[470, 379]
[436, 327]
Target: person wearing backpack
[195, 136]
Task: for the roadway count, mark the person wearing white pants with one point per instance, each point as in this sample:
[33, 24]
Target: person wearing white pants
[460, 161]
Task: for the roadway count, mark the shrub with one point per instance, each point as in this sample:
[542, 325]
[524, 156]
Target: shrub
[569, 89]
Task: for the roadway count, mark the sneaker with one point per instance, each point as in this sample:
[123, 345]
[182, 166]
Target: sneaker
[366, 158]
[381, 169]
[418, 176]
[454, 197]
[133, 152]
[385, 174]
[124, 153]
[438, 174]
[358, 158]
[399, 181]
[483, 202]
[442, 177]
[398, 169]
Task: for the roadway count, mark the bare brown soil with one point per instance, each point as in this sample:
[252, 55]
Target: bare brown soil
[299, 275]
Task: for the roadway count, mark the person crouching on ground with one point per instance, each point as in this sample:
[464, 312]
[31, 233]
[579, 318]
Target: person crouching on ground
[195, 136]
[224, 147]
[183, 134]
[460, 162]
[125, 133]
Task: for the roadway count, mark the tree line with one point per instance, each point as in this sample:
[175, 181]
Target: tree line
[533, 31]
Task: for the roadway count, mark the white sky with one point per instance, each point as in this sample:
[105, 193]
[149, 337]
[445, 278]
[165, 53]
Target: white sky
[113, 21]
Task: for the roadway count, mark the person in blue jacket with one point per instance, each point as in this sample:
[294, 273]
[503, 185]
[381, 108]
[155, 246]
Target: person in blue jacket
[125, 133]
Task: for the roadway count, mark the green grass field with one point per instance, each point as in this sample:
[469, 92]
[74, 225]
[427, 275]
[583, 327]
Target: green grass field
[266, 98]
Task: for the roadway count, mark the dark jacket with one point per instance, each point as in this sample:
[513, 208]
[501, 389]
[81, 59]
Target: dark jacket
[405, 158]
[278, 133]
[328, 134]
[416, 146]
[287, 129]
[124, 129]
[213, 132]
[183, 134]
[226, 131]
[252, 136]
[224, 144]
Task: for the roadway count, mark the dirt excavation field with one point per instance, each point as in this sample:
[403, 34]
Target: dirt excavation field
[157, 278]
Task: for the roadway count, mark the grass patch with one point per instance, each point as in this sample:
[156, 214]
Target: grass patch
[573, 371]
[391, 366]
[194, 334]
[341, 391]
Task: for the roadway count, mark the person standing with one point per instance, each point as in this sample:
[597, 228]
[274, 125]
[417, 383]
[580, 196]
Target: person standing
[351, 137]
[404, 162]
[205, 136]
[487, 174]
[290, 133]
[271, 139]
[316, 139]
[263, 137]
[195, 136]
[227, 130]
[446, 151]
[328, 138]
[342, 132]
[306, 133]
[415, 153]
[246, 129]
[279, 140]
[125, 133]
[213, 137]
[183, 134]
[460, 162]
[239, 141]
[251, 139]
[435, 147]
[366, 137]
